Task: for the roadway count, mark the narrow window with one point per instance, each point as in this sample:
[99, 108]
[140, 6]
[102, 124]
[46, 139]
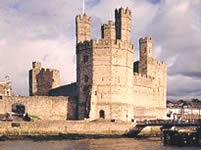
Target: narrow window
[86, 58]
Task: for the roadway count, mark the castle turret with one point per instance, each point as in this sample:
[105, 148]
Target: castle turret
[83, 28]
[145, 46]
[84, 57]
[108, 31]
[123, 24]
[42, 80]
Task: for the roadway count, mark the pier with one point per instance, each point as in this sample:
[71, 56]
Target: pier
[170, 136]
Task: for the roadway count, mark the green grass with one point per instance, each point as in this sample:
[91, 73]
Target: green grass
[34, 117]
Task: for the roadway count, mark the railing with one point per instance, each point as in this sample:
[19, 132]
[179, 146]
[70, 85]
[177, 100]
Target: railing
[168, 122]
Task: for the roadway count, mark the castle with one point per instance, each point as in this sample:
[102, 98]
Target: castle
[110, 85]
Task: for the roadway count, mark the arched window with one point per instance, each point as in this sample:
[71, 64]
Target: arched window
[102, 114]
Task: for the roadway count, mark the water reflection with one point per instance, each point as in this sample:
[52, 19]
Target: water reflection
[91, 144]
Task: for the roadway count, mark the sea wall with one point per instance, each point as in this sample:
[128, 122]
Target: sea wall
[65, 127]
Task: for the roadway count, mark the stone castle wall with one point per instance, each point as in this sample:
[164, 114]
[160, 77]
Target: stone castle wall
[116, 93]
[111, 69]
[65, 127]
[46, 108]
[150, 84]
[42, 80]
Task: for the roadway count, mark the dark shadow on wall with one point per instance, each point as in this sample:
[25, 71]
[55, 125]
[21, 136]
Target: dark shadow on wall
[18, 108]
[70, 91]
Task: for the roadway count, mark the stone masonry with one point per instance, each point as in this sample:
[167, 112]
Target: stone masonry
[42, 80]
[108, 85]
[46, 108]
[5, 90]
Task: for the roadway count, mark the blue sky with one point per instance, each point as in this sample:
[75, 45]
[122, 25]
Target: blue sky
[35, 30]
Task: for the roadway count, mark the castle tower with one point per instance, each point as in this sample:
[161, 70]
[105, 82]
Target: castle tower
[123, 24]
[36, 67]
[107, 87]
[145, 46]
[84, 65]
[41, 80]
[83, 28]
[112, 71]
[108, 31]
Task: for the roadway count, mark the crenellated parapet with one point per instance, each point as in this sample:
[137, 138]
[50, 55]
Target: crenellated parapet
[145, 39]
[118, 44]
[158, 64]
[83, 17]
[49, 71]
[86, 45]
[124, 11]
[142, 80]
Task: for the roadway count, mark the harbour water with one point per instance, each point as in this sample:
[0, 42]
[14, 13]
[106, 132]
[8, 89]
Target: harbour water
[91, 144]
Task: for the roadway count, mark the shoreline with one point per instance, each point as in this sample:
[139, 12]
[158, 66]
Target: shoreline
[71, 130]
[68, 137]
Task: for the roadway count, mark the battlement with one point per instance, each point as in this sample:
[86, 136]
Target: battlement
[122, 11]
[145, 40]
[142, 80]
[48, 70]
[84, 45]
[109, 24]
[36, 65]
[158, 63]
[83, 17]
[143, 76]
[119, 44]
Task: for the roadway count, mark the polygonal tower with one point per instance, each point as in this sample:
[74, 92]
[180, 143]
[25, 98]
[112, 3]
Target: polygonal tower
[112, 70]
[123, 24]
[84, 56]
